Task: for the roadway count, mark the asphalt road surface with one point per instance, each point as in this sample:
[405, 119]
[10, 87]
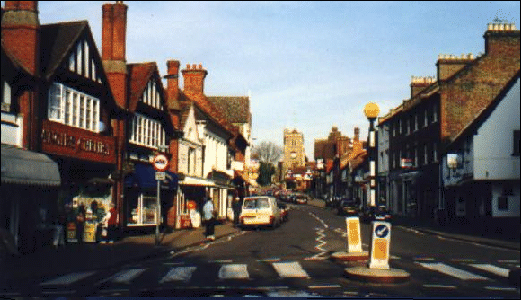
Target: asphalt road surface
[294, 260]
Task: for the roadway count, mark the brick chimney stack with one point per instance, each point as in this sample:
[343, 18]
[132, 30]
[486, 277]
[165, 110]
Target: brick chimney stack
[501, 39]
[193, 78]
[418, 84]
[357, 134]
[21, 38]
[114, 31]
[21, 33]
[172, 79]
[449, 65]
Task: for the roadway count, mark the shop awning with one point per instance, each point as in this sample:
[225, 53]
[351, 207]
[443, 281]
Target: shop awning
[192, 181]
[26, 167]
[144, 177]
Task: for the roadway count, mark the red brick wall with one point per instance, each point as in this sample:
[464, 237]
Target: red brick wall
[463, 98]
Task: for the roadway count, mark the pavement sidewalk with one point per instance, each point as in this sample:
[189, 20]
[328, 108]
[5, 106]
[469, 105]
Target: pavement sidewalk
[49, 262]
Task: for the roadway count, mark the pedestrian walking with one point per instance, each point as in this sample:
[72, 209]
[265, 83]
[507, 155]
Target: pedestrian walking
[209, 217]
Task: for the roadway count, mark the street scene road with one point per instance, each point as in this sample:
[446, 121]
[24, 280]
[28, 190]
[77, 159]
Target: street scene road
[294, 260]
[274, 149]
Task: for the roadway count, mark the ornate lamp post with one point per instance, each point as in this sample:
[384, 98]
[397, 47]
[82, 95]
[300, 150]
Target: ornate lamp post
[371, 111]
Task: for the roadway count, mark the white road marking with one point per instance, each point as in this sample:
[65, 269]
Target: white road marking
[463, 260]
[508, 261]
[269, 259]
[448, 270]
[395, 257]
[491, 269]
[220, 261]
[424, 259]
[237, 271]
[439, 286]
[327, 286]
[178, 274]
[68, 279]
[500, 288]
[290, 269]
[124, 276]
[173, 263]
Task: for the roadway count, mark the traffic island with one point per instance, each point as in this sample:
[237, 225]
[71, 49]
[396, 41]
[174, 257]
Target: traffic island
[377, 275]
[350, 256]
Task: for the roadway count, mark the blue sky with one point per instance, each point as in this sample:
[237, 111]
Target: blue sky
[306, 65]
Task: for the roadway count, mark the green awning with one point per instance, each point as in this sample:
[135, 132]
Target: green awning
[26, 167]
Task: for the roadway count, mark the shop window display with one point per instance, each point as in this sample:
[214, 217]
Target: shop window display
[95, 199]
[143, 210]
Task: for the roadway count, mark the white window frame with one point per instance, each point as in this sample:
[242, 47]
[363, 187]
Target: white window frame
[63, 98]
[146, 131]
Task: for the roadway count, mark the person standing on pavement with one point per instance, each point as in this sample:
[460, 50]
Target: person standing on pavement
[80, 223]
[112, 223]
[237, 208]
[209, 217]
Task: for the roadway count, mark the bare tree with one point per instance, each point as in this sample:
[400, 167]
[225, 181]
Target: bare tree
[268, 152]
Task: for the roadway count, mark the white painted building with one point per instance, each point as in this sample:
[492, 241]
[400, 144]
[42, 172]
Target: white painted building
[481, 169]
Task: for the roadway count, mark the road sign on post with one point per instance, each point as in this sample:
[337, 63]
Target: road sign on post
[160, 165]
[381, 238]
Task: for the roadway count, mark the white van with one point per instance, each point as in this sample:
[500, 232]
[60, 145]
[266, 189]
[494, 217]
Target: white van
[260, 211]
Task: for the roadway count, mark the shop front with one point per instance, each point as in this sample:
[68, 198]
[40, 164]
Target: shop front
[141, 196]
[86, 160]
[30, 182]
[191, 190]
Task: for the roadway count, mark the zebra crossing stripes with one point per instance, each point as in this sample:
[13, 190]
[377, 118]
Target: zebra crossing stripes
[451, 271]
[234, 271]
[178, 274]
[68, 279]
[491, 269]
[290, 269]
[123, 276]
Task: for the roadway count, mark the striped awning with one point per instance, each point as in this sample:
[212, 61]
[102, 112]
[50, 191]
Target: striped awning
[26, 167]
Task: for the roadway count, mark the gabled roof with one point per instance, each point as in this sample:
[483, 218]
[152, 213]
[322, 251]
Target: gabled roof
[235, 109]
[139, 75]
[486, 111]
[56, 42]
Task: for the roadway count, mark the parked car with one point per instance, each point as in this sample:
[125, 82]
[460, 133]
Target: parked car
[377, 213]
[348, 207]
[260, 211]
[283, 212]
[301, 199]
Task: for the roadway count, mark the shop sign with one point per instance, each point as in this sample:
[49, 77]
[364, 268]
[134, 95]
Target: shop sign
[78, 143]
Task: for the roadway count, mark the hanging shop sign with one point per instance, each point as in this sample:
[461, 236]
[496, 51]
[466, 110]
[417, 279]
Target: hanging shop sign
[77, 143]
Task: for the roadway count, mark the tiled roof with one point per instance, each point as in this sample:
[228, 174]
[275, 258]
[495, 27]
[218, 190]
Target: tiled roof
[56, 41]
[139, 75]
[10, 59]
[235, 109]
[483, 115]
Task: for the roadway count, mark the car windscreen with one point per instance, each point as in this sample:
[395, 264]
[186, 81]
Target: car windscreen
[256, 203]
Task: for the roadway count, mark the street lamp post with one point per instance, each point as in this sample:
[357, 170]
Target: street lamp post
[371, 111]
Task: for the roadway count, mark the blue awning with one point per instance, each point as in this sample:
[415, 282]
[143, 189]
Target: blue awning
[144, 177]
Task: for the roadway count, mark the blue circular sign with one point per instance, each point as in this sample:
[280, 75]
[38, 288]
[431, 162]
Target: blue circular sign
[381, 231]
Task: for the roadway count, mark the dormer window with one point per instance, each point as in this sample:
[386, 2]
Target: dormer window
[73, 108]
